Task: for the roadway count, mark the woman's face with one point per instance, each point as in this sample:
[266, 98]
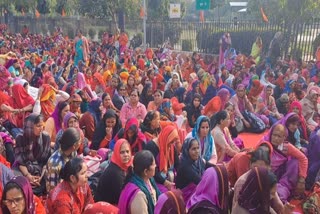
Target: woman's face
[196, 102]
[134, 98]
[155, 123]
[107, 101]
[130, 81]
[130, 133]
[149, 91]
[73, 122]
[125, 152]
[240, 92]
[194, 150]
[101, 107]
[278, 135]
[204, 129]
[157, 97]
[82, 175]
[65, 110]
[314, 98]
[292, 127]
[152, 170]
[114, 82]
[15, 201]
[230, 110]
[226, 122]
[122, 91]
[111, 122]
[38, 128]
[296, 110]
[269, 91]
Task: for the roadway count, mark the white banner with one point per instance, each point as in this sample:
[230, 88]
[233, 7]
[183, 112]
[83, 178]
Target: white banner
[175, 11]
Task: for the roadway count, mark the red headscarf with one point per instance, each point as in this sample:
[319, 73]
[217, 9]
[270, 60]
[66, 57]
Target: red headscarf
[116, 159]
[20, 97]
[166, 151]
[302, 120]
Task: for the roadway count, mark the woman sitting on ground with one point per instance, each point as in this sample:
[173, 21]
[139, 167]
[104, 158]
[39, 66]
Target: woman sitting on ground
[141, 193]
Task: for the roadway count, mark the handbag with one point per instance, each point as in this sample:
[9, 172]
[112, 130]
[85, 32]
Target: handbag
[93, 163]
[312, 204]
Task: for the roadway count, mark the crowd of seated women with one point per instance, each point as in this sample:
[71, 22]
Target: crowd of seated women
[130, 133]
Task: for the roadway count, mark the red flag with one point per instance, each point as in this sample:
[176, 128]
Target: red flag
[264, 16]
[37, 13]
[141, 12]
[201, 17]
[63, 12]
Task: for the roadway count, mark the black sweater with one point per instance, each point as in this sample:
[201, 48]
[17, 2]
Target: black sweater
[110, 184]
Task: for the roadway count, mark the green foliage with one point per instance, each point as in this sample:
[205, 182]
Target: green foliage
[43, 7]
[284, 10]
[61, 4]
[92, 33]
[158, 9]
[186, 45]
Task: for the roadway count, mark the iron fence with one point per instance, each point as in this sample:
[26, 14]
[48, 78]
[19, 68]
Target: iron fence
[188, 36]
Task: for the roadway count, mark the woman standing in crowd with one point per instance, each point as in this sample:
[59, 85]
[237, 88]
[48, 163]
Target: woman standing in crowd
[73, 194]
[141, 193]
[112, 180]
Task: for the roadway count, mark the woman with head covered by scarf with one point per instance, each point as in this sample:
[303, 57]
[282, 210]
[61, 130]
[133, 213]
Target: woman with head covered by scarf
[166, 156]
[191, 168]
[170, 202]
[217, 103]
[310, 105]
[132, 134]
[257, 192]
[288, 163]
[91, 118]
[18, 191]
[212, 193]
[201, 132]
[112, 179]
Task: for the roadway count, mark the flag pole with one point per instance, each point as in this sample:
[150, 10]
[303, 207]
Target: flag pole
[144, 25]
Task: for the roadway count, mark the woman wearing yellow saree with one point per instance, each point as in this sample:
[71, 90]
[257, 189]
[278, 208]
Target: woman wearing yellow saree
[256, 50]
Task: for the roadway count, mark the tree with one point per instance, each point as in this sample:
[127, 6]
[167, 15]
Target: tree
[43, 7]
[24, 5]
[108, 9]
[284, 10]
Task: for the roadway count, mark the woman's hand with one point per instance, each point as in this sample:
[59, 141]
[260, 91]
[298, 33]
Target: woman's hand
[288, 208]
[169, 185]
[34, 180]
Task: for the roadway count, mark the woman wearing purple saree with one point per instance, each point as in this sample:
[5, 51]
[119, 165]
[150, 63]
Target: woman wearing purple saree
[313, 157]
[288, 163]
[140, 194]
[212, 193]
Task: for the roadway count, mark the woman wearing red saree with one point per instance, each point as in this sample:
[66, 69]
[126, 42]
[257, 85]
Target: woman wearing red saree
[20, 103]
